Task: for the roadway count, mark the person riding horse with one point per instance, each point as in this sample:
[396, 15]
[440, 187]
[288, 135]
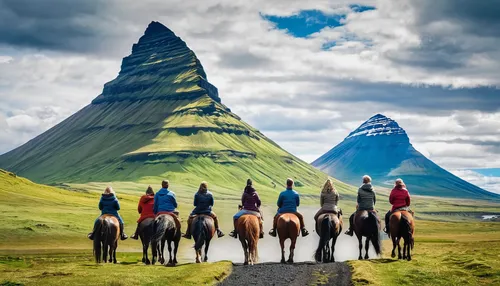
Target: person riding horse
[288, 201]
[145, 209]
[164, 200]
[203, 202]
[366, 201]
[329, 199]
[399, 199]
[250, 202]
[109, 205]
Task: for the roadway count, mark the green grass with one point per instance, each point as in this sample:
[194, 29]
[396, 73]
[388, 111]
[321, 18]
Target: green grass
[446, 253]
[79, 269]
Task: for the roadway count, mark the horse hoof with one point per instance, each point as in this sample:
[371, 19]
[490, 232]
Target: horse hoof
[143, 260]
[114, 262]
[366, 257]
[197, 261]
[360, 257]
[246, 263]
[283, 261]
[393, 255]
[148, 262]
[290, 261]
[409, 258]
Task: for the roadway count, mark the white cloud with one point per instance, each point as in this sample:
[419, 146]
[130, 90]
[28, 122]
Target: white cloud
[488, 183]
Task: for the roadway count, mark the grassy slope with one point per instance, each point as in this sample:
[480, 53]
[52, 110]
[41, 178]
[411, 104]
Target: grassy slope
[446, 253]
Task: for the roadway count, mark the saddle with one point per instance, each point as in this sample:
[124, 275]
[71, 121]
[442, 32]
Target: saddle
[407, 209]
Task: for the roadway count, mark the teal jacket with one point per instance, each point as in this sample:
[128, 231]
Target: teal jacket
[288, 201]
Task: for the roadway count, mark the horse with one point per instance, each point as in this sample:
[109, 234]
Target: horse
[402, 225]
[145, 232]
[106, 236]
[203, 231]
[165, 228]
[288, 227]
[248, 227]
[328, 227]
[367, 224]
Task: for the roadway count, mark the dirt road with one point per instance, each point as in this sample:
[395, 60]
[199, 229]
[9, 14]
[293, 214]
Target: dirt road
[298, 274]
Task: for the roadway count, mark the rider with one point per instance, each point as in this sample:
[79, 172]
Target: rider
[329, 199]
[164, 200]
[203, 202]
[366, 201]
[399, 199]
[145, 208]
[109, 205]
[250, 202]
[288, 202]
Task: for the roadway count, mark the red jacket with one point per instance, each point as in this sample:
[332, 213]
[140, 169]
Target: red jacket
[145, 207]
[399, 198]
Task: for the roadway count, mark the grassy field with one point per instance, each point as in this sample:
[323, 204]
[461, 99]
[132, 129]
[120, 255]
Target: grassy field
[446, 253]
[42, 239]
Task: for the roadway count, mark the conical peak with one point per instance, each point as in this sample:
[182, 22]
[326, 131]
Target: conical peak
[378, 125]
[157, 28]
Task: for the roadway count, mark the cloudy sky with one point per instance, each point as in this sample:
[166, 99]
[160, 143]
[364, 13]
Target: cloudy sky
[305, 74]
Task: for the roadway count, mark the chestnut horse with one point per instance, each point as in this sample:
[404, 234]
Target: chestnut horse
[165, 228]
[106, 236]
[203, 230]
[402, 225]
[367, 224]
[288, 227]
[248, 227]
[328, 227]
[145, 232]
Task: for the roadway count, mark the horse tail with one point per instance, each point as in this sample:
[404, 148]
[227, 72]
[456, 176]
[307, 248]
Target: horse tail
[253, 238]
[374, 224]
[159, 228]
[324, 237]
[406, 228]
[203, 229]
[97, 241]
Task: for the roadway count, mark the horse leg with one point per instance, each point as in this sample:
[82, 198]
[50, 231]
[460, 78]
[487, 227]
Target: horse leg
[360, 244]
[162, 251]
[393, 254]
[367, 246]
[292, 249]
[334, 241]
[154, 250]
[114, 252]
[105, 252]
[111, 248]
[408, 247]
[282, 244]
[176, 246]
[207, 245]
[399, 248]
[170, 260]
[405, 245]
[245, 249]
[198, 256]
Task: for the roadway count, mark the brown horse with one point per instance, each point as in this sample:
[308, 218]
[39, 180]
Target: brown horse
[328, 227]
[165, 228]
[288, 228]
[145, 232]
[367, 224]
[106, 236]
[203, 230]
[402, 225]
[248, 227]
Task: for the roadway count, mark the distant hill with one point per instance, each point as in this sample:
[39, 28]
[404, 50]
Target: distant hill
[160, 117]
[382, 149]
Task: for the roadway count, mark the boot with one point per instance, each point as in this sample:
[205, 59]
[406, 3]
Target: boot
[349, 232]
[304, 232]
[272, 232]
[188, 230]
[233, 234]
[220, 233]
[135, 235]
[123, 236]
[91, 235]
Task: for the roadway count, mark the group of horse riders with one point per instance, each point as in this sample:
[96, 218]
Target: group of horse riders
[164, 201]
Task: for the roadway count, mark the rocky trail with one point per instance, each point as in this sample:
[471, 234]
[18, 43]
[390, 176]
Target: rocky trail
[277, 274]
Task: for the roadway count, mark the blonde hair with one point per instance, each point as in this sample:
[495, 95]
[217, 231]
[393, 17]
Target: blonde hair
[399, 183]
[328, 187]
[109, 190]
[367, 179]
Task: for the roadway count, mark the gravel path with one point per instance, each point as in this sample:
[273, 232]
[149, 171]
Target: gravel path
[298, 274]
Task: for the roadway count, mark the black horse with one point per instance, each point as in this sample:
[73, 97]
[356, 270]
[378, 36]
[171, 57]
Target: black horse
[106, 236]
[328, 227]
[166, 229]
[367, 224]
[203, 230]
[145, 232]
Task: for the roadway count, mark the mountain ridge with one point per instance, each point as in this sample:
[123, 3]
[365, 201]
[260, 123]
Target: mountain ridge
[382, 149]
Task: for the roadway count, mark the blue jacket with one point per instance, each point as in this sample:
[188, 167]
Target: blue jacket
[109, 204]
[165, 201]
[288, 201]
[203, 203]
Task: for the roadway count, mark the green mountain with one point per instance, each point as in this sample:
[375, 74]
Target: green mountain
[160, 117]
